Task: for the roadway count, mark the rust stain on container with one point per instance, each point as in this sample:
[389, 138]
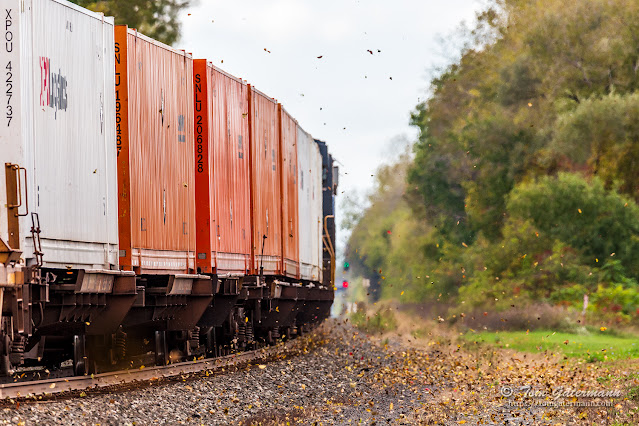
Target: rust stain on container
[154, 131]
[221, 171]
[265, 184]
[288, 166]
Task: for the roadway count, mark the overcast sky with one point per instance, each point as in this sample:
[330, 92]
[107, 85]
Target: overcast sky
[347, 97]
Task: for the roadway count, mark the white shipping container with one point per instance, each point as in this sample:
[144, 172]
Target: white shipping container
[310, 206]
[58, 122]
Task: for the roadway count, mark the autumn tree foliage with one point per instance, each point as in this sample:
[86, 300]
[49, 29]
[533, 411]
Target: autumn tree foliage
[524, 180]
[157, 19]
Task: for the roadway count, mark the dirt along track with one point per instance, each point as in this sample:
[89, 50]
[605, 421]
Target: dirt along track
[340, 375]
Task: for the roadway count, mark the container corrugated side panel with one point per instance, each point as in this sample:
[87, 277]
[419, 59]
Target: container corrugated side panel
[265, 184]
[290, 219]
[66, 70]
[161, 161]
[15, 111]
[222, 172]
[317, 224]
[306, 213]
[230, 178]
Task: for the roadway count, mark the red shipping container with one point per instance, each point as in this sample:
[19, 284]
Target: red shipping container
[266, 219]
[290, 220]
[154, 131]
[222, 186]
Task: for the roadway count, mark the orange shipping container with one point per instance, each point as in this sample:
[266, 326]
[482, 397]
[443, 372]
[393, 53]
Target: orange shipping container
[266, 243]
[154, 130]
[221, 172]
[290, 220]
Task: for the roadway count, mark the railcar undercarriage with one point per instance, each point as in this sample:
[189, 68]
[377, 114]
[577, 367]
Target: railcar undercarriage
[94, 321]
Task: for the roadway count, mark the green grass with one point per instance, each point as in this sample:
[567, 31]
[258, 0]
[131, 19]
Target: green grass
[590, 346]
[381, 321]
[420, 333]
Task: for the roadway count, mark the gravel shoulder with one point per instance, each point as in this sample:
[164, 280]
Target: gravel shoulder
[340, 375]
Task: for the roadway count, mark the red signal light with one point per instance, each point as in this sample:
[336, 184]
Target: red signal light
[344, 284]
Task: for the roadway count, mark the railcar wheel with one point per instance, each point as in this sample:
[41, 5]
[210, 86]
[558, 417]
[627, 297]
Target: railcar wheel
[161, 348]
[5, 361]
[79, 355]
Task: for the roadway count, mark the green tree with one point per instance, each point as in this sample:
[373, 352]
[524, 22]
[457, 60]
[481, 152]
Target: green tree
[602, 133]
[492, 118]
[368, 243]
[584, 215]
[155, 18]
[528, 150]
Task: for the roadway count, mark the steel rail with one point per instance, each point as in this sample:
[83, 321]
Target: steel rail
[46, 387]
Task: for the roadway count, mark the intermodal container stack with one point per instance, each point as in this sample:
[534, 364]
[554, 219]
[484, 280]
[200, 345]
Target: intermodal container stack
[56, 134]
[266, 200]
[309, 163]
[222, 185]
[156, 167]
[290, 220]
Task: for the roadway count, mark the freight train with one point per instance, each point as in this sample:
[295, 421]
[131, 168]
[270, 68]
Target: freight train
[153, 208]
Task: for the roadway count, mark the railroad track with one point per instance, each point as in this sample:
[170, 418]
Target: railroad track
[53, 386]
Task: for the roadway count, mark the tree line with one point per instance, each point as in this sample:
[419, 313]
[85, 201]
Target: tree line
[524, 181]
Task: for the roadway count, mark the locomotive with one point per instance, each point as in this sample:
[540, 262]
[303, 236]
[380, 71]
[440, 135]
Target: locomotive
[153, 208]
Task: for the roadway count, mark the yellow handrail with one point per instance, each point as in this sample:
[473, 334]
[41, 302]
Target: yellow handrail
[329, 244]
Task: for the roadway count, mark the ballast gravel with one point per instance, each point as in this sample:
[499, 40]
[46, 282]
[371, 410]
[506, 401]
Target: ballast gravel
[337, 375]
[325, 382]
